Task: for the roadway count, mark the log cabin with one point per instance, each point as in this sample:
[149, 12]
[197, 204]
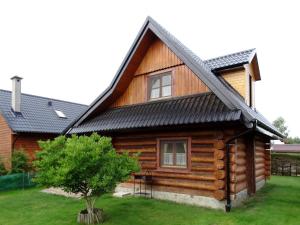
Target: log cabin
[25, 119]
[193, 122]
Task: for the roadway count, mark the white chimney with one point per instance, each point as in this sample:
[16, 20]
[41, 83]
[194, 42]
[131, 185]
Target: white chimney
[16, 94]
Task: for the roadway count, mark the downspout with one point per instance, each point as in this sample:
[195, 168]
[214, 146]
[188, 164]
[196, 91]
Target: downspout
[228, 142]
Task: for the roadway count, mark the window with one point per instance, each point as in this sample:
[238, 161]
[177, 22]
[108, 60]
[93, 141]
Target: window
[60, 114]
[160, 86]
[173, 153]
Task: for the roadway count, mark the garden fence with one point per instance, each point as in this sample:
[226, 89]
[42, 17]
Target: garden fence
[16, 181]
[285, 168]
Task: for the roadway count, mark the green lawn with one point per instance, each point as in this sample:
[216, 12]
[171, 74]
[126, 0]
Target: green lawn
[277, 203]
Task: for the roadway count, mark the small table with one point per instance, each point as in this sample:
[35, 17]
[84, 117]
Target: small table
[147, 178]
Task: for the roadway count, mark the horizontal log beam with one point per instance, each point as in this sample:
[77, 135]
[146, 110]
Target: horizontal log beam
[184, 176]
[202, 159]
[219, 144]
[142, 150]
[219, 194]
[259, 172]
[219, 174]
[219, 164]
[147, 158]
[205, 150]
[219, 154]
[140, 143]
[259, 178]
[219, 184]
[200, 168]
[237, 187]
[259, 160]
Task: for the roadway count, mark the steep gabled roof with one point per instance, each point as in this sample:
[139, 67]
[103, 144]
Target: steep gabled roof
[231, 60]
[38, 113]
[201, 69]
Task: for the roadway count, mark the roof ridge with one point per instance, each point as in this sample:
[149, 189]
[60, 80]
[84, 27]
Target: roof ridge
[228, 55]
[53, 99]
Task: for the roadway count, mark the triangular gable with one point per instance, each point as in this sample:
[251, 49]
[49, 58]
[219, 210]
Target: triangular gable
[150, 30]
[160, 58]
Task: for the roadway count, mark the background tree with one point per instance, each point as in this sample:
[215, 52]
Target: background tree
[88, 165]
[280, 124]
[292, 140]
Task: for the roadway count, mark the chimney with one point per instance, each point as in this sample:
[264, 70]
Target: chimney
[16, 94]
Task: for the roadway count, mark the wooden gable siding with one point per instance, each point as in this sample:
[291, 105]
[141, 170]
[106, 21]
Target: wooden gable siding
[157, 59]
[237, 79]
[205, 174]
[5, 143]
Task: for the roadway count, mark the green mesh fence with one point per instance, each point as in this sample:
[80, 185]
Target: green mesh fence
[16, 181]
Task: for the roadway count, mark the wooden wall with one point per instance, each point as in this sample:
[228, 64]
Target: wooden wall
[238, 159]
[206, 173]
[5, 142]
[237, 79]
[29, 142]
[262, 160]
[160, 58]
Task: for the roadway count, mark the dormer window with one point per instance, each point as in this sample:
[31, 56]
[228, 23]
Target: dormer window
[160, 86]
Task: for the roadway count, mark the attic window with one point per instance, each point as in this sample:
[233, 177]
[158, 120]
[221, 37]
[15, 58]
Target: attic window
[159, 86]
[60, 114]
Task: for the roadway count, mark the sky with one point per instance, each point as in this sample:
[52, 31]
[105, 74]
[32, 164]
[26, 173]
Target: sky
[70, 50]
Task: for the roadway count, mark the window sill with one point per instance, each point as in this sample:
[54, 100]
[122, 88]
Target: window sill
[157, 99]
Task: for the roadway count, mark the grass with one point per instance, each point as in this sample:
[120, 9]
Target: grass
[277, 203]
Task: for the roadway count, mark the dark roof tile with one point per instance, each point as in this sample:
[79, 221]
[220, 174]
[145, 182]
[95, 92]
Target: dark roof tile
[204, 108]
[234, 59]
[36, 115]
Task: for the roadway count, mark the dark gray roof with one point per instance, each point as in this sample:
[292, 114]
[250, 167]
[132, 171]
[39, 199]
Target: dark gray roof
[188, 110]
[231, 60]
[201, 69]
[36, 115]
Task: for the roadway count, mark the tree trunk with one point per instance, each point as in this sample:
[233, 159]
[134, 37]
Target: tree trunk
[90, 215]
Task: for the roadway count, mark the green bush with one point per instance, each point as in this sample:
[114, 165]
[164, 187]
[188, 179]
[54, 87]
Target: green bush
[3, 171]
[19, 162]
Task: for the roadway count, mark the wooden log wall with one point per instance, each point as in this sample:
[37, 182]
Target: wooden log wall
[238, 178]
[267, 162]
[205, 175]
[262, 159]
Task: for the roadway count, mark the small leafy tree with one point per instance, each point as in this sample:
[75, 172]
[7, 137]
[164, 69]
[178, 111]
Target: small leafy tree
[19, 161]
[88, 165]
[280, 124]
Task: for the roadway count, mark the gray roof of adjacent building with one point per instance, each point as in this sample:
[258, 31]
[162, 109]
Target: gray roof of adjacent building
[38, 114]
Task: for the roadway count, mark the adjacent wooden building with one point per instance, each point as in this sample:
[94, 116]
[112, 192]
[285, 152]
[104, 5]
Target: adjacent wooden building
[25, 119]
[193, 122]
